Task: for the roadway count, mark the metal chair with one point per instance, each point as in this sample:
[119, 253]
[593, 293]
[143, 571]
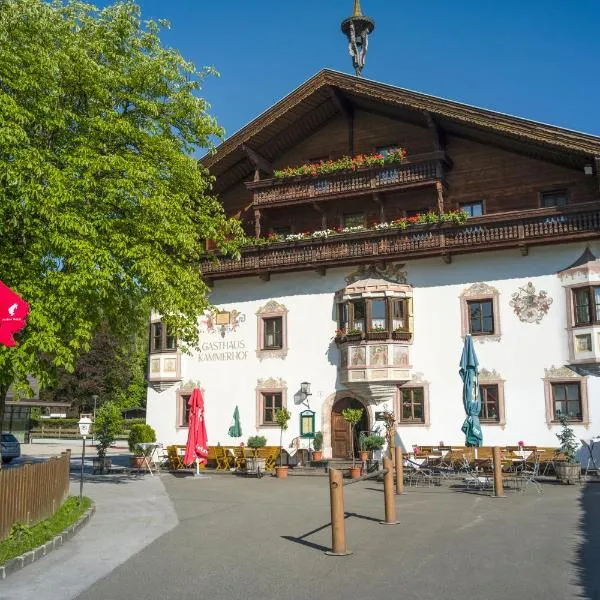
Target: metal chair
[528, 474]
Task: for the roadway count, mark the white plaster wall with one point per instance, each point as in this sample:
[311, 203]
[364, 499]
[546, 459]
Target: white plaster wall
[520, 357]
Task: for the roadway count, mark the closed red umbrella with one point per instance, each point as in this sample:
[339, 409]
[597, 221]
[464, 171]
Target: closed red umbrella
[196, 448]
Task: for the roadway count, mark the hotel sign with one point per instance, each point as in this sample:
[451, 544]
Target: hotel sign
[223, 351]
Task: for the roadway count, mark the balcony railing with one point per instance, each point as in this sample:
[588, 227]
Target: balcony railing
[417, 170]
[493, 232]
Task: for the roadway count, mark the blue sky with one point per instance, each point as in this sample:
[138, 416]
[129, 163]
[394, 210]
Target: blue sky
[536, 58]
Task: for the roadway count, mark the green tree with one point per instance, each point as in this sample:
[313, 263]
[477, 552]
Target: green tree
[103, 207]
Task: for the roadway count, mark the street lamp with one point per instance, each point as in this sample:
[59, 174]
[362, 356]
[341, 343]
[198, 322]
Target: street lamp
[85, 424]
[305, 388]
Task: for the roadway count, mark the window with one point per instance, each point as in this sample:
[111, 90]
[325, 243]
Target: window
[490, 406]
[565, 393]
[271, 395]
[272, 330]
[566, 401]
[378, 316]
[354, 220]
[161, 338]
[412, 402]
[183, 408]
[271, 404]
[473, 209]
[359, 314]
[481, 317]
[555, 199]
[586, 305]
[389, 314]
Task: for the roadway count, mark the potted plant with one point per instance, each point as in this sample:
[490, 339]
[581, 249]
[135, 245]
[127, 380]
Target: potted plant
[140, 433]
[256, 442]
[401, 334]
[354, 334]
[362, 442]
[373, 442]
[340, 335]
[317, 454]
[108, 424]
[282, 417]
[568, 470]
[353, 416]
[378, 333]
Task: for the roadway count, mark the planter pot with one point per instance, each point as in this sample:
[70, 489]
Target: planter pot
[402, 335]
[317, 456]
[354, 337]
[281, 472]
[355, 472]
[137, 462]
[340, 339]
[377, 335]
[567, 472]
[364, 455]
[101, 465]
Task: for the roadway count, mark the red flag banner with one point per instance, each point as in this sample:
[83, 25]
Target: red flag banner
[13, 315]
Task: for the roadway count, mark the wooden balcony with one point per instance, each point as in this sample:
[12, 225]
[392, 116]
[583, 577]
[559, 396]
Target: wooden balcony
[412, 172]
[494, 232]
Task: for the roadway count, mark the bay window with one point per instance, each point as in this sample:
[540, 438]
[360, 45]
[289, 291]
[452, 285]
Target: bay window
[374, 315]
[586, 305]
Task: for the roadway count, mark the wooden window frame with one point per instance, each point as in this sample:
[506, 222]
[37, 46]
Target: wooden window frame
[553, 386]
[164, 336]
[265, 388]
[271, 310]
[480, 301]
[389, 321]
[481, 203]
[411, 385]
[476, 293]
[564, 375]
[182, 408]
[594, 316]
[491, 378]
[545, 193]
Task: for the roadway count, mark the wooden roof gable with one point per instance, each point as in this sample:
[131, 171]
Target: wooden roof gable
[329, 93]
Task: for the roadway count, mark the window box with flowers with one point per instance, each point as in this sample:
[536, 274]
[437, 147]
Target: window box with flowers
[345, 163]
[353, 335]
[340, 336]
[377, 333]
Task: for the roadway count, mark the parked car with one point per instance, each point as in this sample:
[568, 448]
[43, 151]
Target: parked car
[9, 447]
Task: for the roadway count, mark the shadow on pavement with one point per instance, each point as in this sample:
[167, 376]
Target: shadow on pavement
[588, 552]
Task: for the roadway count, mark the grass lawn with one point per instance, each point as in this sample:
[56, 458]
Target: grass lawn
[23, 538]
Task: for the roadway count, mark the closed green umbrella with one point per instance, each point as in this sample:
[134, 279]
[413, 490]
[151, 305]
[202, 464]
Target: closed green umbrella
[471, 399]
[236, 429]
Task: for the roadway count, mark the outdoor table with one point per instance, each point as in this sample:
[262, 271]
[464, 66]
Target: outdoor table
[148, 449]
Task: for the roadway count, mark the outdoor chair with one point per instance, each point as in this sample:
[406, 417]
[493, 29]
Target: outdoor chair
[223, 458]
[528, 474]
[240, 459]
[175, 460]
[416, 474]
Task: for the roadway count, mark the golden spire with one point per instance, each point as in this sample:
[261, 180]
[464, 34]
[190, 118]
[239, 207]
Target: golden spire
[357, 11]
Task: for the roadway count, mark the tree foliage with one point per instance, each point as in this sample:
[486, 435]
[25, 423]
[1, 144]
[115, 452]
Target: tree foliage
[103, 208]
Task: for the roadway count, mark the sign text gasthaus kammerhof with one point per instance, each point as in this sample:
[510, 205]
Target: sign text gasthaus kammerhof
[223, 351]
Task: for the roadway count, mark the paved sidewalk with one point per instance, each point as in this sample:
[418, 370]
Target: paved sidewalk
[245, 539]
[131, 512]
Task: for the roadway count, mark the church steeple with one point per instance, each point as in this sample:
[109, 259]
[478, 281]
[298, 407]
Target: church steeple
[357, 29]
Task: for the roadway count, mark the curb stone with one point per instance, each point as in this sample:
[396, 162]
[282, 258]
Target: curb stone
[18, 563]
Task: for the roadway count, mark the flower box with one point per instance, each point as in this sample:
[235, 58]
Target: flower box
[354, 337]
[378, 335]
[402, 335]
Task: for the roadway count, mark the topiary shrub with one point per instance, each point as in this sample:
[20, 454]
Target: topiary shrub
[141, 433]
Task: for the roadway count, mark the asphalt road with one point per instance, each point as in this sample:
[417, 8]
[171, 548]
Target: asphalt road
[247, 539]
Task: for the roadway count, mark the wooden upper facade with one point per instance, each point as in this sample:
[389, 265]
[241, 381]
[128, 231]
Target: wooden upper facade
[515, 175]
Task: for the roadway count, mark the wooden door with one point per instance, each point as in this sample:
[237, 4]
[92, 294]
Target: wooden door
[341, 446]
[340, 434]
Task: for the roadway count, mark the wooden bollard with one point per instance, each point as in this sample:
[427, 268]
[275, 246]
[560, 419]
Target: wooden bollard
[338, 525]
[388, 493]
[498, 485]
[399, 471]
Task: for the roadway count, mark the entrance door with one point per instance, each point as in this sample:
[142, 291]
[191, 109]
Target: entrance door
[340, 429]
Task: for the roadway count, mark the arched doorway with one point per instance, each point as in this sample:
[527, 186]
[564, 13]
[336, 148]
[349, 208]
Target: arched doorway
[340, 429]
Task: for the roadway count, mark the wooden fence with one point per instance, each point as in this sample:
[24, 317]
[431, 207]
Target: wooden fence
[33, 492]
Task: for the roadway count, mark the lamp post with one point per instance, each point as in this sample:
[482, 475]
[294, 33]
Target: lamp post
[305, 392]
[84, 429]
